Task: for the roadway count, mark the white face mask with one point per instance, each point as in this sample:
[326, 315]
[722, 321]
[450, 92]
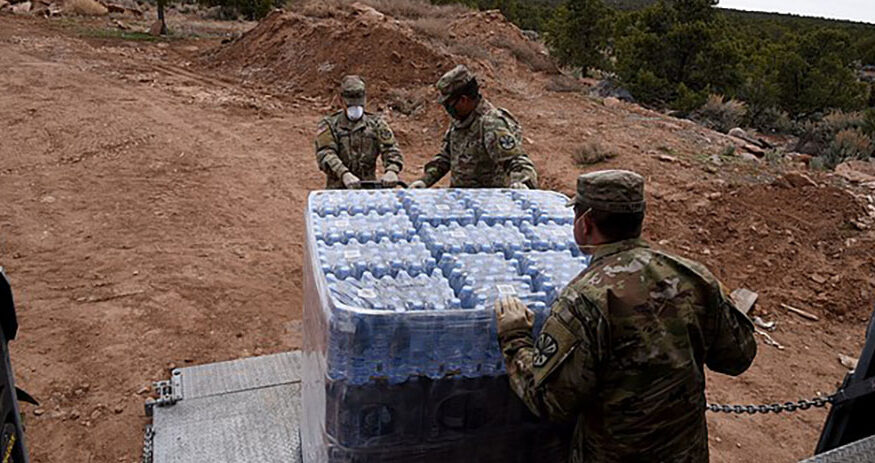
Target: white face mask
[355, 113]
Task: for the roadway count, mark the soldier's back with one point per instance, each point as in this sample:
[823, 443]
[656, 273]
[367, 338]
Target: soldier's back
[658, 312]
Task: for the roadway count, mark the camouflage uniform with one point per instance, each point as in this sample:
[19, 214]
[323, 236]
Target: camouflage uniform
[482, 151]
[353, 146]
[624, 347]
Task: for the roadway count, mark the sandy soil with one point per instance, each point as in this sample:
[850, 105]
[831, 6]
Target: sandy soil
[154, 218]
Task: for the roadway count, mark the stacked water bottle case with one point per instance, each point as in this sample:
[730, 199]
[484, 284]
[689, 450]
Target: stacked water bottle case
[403, 359]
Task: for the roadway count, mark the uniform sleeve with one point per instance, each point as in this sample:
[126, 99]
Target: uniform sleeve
[733, 346]
[326, 150]
[439, 165]
[504, 145]
[557, 374]
[389, 151]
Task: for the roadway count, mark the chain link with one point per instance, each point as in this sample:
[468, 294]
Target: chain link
[817, 402]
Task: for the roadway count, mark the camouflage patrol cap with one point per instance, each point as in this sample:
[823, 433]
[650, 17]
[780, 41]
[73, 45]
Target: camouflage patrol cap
[610, 191]
[352, 90]
[453, 81]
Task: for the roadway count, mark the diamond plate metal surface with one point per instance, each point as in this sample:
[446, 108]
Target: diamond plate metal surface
[240, 375]
[233, 412]
[862, 451]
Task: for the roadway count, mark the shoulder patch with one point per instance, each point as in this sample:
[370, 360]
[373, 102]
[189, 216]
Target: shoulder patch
[555, 343]
[506, 141]
[385, 134]
[324, 136]
[545, 349]
[381, 130]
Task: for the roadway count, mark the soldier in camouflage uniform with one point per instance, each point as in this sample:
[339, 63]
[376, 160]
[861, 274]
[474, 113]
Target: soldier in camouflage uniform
[349, 141]
[483, 146]
[624, 348]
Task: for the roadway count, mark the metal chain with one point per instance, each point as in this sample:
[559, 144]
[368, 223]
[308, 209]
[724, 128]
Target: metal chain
[817, 402]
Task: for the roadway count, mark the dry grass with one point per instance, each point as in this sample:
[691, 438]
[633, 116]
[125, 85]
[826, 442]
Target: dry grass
[399, 9]
[591, 152]
[819, 137]
[416, 9]
[405, 101]
[435, 28]
[721, 115]
[564, 84]
[526, 53]
[470, 50]
[317, 8]
[849, 144]
[85, 8]
[837, 121]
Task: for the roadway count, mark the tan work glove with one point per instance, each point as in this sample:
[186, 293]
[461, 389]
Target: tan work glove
[512, 317]
[350, 181]
[390, 179]
[417, 184]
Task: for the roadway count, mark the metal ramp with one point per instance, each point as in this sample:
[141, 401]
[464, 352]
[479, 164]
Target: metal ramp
[862, 451]
[249, 410]
[240, 411]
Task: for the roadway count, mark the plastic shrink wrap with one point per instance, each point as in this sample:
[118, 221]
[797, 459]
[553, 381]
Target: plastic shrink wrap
[401, 356]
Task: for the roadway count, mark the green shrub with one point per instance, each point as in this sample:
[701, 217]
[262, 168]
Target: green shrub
[816, 137]
[249, 9]
[848, 144]
[868, 125]
[720, 114]
[772, 120]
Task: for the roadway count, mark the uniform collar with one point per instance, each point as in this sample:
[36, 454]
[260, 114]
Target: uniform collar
[482, 108]
[345, 123]
[604, 250]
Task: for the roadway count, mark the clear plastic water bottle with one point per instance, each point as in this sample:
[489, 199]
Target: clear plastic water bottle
[334, 202]
[343, 227]
[546, 206]
[481, 238]
[499, 207]
[438, 207]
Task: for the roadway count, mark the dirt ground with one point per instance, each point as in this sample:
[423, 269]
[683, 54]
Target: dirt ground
[153, 218]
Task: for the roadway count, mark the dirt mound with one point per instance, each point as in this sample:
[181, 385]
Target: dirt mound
[503, 49]
[294, 52]
[794, 255]
[309, 55]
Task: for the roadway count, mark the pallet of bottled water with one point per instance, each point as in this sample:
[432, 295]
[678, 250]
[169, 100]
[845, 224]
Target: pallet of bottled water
[399, 328]
[410, 276]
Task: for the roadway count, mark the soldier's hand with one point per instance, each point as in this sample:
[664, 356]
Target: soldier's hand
[512, 316]
[417, 184]
[390, 179]
[350, 181]
[519, 186]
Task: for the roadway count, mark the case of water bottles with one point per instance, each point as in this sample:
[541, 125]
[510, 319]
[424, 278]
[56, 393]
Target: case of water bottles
[401, 352]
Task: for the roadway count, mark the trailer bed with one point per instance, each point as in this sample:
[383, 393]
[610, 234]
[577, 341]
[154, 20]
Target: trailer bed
[249, 410]
[236, 412]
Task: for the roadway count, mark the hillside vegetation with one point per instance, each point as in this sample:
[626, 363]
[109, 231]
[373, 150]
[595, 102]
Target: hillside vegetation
[809, 77]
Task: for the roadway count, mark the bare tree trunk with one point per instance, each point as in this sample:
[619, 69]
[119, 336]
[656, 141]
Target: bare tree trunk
[161, 4]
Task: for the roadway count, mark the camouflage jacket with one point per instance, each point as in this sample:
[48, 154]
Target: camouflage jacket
[344, 146]
[483, 151]
[623, 353]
